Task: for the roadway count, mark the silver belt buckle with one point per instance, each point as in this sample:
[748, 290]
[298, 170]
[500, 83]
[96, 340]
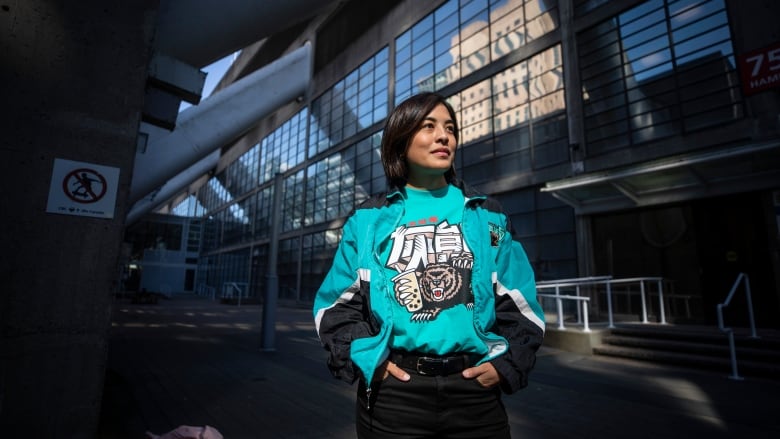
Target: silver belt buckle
[419, 364]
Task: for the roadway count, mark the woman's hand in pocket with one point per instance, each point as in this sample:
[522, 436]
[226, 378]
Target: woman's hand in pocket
[389, 368]
[485, 374]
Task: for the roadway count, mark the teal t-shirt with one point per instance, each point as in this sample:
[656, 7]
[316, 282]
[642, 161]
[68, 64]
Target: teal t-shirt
[429, 266]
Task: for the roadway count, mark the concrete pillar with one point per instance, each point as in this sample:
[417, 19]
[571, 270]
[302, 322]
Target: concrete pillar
[72, 82]
[268, 336]
[571, 72]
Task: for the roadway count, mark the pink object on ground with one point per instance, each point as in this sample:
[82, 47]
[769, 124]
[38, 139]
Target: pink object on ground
[188, 432]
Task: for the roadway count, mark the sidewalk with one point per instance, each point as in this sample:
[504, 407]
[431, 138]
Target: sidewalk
[197, 362]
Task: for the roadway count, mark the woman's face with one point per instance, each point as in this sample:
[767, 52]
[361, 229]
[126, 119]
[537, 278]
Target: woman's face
[432, 150]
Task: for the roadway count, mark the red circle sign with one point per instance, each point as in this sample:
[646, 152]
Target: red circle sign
[84, 185]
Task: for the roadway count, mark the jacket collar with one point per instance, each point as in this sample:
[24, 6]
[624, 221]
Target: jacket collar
[471, 194]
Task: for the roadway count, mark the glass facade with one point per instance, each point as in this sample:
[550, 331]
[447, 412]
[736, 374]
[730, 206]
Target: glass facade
[190, 206]
[662, 68]
[283, 149]
[262, 221]
[515, 121]
[317, 251]
[545, 228]
[292, 202]
[462, 36]
[353, 104]
[637, 71]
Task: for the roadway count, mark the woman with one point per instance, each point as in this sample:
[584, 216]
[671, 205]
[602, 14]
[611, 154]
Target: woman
[430, 303]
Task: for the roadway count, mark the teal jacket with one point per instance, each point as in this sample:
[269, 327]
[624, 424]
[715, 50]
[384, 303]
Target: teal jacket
[353, 307]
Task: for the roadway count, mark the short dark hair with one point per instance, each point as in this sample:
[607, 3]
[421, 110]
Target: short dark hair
[401, 126]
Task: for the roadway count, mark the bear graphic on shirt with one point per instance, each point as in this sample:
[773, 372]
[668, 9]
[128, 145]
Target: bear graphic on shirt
[434, 266]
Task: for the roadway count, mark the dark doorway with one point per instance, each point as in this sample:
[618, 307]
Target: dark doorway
[732, 237]
[700, 246]
[652, 242]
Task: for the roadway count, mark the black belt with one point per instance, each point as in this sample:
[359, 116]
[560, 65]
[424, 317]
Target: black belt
[428, 364]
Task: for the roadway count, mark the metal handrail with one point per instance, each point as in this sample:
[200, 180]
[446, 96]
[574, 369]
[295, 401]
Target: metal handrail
[730, 332]
[235, 286]
[641, 280]
[609, 281]
[559, 298]
[574, 280]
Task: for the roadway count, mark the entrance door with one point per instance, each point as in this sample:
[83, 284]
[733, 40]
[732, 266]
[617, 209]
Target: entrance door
[732, 237]
[701, 246]
[652, 242]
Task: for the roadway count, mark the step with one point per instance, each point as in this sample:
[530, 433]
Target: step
[745, 367]
[765, 339]
[721, 348]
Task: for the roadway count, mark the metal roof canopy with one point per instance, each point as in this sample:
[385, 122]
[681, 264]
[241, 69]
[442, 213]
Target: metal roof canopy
[219, 120]
[673, 179]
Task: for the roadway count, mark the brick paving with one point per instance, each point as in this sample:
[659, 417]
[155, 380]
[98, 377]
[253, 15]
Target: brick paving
[197, 362]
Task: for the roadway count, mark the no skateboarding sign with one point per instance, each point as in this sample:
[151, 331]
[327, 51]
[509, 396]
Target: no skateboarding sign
[83, 189]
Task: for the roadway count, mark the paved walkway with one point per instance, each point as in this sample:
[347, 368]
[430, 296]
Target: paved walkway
[193, 361]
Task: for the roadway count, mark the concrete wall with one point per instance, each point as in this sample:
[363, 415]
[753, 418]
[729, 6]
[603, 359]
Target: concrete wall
[573, 340]
[72, 86]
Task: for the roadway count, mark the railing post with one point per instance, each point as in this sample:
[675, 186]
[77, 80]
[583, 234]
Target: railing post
[559, 305]
[609, 304]
[750, 309]
[579, 312]
[661, 300]
[729, 331]
[586, 328]
[644, 305]
[734, 372]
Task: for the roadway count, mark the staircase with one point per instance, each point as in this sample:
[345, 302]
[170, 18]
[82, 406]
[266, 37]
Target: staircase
[696, 347]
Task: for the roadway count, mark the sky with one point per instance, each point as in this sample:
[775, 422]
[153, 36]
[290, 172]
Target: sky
[214, 73]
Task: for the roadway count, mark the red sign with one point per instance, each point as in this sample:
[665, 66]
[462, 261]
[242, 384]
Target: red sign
[84, 185]
[760, 69]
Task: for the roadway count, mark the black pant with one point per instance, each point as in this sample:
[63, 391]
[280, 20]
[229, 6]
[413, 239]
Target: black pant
[431, 407]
